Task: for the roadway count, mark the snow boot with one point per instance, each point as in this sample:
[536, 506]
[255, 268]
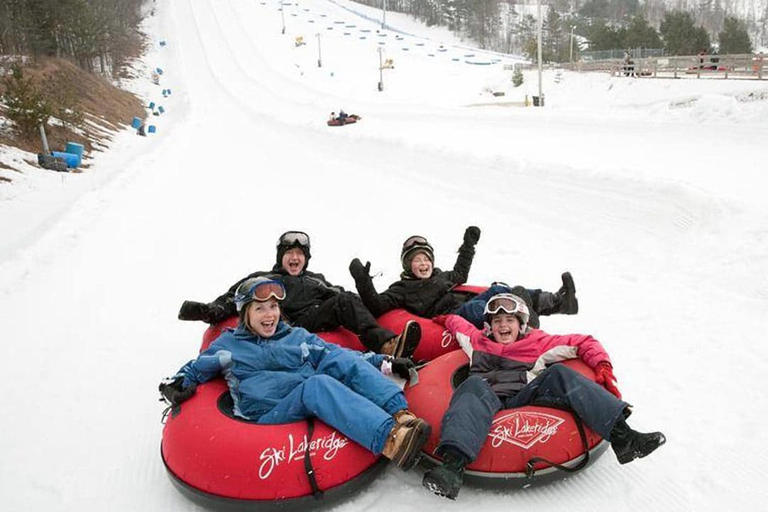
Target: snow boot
[404, 416]
[403, 445]
[446, 479]
[629, 444]
[403, 345]
[191, 310]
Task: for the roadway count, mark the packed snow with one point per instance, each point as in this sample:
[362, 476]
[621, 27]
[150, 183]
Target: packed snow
[651, 192]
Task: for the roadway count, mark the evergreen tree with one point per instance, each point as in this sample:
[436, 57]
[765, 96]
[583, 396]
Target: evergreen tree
[681, 36]
[734, 37]
[639, 34]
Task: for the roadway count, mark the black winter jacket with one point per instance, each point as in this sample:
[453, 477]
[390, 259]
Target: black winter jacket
[422, 297]
[303, 293]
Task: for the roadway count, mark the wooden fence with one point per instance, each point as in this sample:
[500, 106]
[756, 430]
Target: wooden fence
[749, 66]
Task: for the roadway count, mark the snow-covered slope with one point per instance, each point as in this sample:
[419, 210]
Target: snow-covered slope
[649, 192]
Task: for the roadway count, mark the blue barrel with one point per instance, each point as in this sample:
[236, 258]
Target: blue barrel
[159, 71]
[75, 149]
[136, 123]
[70, 158]
[151, 104]
[151, 128]
[168, 91]
[161, 109]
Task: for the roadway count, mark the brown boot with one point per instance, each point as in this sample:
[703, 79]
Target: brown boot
[404, 416]
[403, 445]
[403, 345]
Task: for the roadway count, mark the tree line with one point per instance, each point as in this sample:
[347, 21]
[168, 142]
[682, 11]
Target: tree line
[502, 26]
[98, 35]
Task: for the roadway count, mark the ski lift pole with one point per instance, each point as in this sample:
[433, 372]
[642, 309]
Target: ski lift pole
[282, 15]
[381, 70]
[541, 97]
[319, 52]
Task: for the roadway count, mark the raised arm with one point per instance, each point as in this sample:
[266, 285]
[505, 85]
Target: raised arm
[377, 303]
[460, 272]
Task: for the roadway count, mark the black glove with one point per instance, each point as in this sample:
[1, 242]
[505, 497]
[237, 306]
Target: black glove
[191, 310]
[358, 271]
[402, 366]
[175, 392]
[472, 235]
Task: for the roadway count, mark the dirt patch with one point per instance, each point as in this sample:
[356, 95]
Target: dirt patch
[105, 107]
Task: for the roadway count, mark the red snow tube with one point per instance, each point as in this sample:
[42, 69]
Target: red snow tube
[516, 436]
[219, 460]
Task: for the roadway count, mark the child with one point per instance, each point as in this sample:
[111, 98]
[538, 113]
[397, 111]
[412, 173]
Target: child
[504, 374]
[425, 290]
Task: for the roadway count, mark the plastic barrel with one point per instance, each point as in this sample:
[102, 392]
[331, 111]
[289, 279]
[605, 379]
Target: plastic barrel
[136, 123]
[151, 105]
[70, 158]
[161, 109]
[151, 128]
[76, 149]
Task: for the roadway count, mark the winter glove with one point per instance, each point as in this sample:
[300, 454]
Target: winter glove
[175, 393]
[604, 376]
[191, 310]
[472, 236]
[358, 271]
[440, 319]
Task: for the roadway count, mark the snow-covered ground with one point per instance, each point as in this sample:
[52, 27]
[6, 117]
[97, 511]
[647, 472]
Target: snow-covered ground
[651, 192]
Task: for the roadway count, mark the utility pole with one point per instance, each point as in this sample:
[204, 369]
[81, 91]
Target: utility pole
[541, 99]
[282, 15]
[572, 27]
[384, 14]
[319, 52]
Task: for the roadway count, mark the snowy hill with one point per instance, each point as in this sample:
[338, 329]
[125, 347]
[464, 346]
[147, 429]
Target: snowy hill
[651, 192]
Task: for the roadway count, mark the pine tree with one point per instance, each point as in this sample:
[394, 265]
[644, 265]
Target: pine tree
[734, 37]
[681, 36]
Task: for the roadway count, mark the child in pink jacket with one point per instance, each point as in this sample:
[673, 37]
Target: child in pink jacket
[509, 368]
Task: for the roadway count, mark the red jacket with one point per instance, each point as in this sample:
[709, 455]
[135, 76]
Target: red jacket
[508, 368]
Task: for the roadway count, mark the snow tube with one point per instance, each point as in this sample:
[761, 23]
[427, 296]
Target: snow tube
[350, 119]
[517, 435]
[224, 462]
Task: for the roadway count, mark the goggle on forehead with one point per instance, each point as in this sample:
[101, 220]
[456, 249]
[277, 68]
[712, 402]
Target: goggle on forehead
[263, 291]
[294, 237]
[509, 304]
[414, 240]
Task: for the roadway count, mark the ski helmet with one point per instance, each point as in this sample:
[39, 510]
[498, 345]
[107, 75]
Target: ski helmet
[259, 289]
[291, 239]
[510, 304]
[412, 245]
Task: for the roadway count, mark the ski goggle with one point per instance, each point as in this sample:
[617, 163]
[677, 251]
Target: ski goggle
[507, 303]
[413, 241]
[290, 238]
[260, 290]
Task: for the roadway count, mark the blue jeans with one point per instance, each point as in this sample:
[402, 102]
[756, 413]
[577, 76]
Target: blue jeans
[347, 393]
[473, 405]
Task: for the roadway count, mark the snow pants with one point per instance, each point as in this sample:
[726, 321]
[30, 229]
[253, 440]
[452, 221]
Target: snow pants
[345, 310]
[468, 419]
[473, 310]
[348, 394]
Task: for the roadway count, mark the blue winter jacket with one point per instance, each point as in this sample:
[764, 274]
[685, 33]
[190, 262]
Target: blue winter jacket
[262, 371]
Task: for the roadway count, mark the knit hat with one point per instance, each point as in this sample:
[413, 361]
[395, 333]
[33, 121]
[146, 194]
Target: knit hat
[412, 246]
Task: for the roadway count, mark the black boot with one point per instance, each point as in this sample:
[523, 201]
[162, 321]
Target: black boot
[629, 444]
[446, 479]
[191, 310]
[566, 296]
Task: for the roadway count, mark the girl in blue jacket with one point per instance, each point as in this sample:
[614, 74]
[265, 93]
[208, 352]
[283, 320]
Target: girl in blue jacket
[281, 374]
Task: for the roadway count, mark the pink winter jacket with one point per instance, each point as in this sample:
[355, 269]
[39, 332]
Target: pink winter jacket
[508, 368]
